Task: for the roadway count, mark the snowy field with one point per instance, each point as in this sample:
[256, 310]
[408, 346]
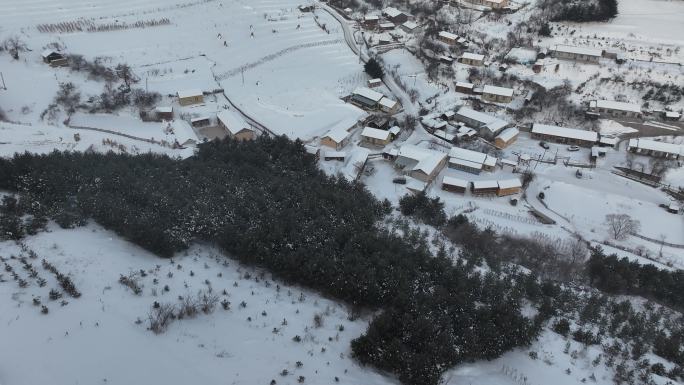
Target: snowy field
[95, 339]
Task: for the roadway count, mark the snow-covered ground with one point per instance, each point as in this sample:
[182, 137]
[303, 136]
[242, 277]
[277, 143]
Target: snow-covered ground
[95, 339]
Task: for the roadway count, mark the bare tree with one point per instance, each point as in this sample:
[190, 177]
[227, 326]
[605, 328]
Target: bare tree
[621, 225]
[14, 45]
[160, 317]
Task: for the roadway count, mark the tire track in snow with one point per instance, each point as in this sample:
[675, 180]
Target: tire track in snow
[274, 56]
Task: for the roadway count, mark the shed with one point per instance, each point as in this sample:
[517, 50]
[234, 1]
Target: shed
[372, 83]
[485, 187]
[509, 187]
[335, 155]
[472, 59]
[506, 137]
[496, 94]
[375, 136]
[164, 112]
[463, 87]
[200, 121]
[447, 37]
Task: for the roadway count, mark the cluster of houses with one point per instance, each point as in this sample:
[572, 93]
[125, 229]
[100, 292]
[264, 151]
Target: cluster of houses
[389, 19]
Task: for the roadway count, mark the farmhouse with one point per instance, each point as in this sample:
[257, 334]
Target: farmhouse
[454, 185]
[497, 94]
[236, 127]
[506, 137]
[375, 137]
[409, 27]
[509, 187]
[189, 97]
[421, 163]
[447, 37]
[185, 135]
[564, 135]
[388, 105]
[164, 112]
[487, 125]
[394, 15]
[336, 138]
[366, 98]
[470, 161]
[569, 52]
[485, 187]
[473, 59]
[656, 149]
[54, 58]
[465, 88]
[615, 109]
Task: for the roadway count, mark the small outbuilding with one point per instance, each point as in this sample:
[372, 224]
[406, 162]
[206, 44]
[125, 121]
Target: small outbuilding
[454, 185]
[509, 187]
[189, 97]
[473, 59]
[506, 137]
[336, 138]
[236, 127]
[496, 94]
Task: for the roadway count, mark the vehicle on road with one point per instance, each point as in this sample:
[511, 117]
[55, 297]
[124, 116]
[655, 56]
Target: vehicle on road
[573, 148]
[544, 145]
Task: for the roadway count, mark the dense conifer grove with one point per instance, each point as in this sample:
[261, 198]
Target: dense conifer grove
[266, 203]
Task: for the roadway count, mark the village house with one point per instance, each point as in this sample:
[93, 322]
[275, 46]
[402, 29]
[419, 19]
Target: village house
[189, 97]
[200, 121]
[564, 135]
[485, 187]
[54, 58]
[372, 83]
[487, 126]
[591, 55]
[336, 138]
[454, 185]
[473, 59]
[608, 141]
[366, 98]
[386, 26]
[410, 27]
[335, 155]
[447, 37]
[420, 163]
[656, 149]
[672, 116]
[236, 127]
[394, 132]
[471, 161]
[496, 94]
[444, 59]
[494, 4]
[509, 187]
[375, 137]
[464, 87]
[615, 109]
[185, 135]
[371, 21]
[395, 16]
[506, 137]
[388, 105]
[164, 112]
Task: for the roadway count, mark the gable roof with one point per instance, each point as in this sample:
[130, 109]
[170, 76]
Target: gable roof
[233, 122]
[508, 134]
[620, 106]
[448, 35]
[368, 94]
[375, 133]
[337, 134]
[427, 159]
[577, 50]
[564, 132]
[502, 91]
[472, 56]
[189, 93]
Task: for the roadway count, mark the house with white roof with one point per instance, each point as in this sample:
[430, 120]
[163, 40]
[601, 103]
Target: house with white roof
[655, 148]
[465, 87]
[366, 98]
[587, 54]
[394, 15]
[473, 59]
[336, 138]
[506, 137]
[485, 187]
[185, 135]
[236, 127]
[189, 97]
[508, 186]
[420, 163]
[388, 105]
[564, 135]
[447, 37]
[375, 136]
[486, 125]
[494, 4]
[471, 161]
[496, 94]
[54, 58]
[410, 26]
[455, 184]
[371, 21]
[615, 109]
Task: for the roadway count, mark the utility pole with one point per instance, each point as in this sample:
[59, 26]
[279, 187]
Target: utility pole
[4, 87]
